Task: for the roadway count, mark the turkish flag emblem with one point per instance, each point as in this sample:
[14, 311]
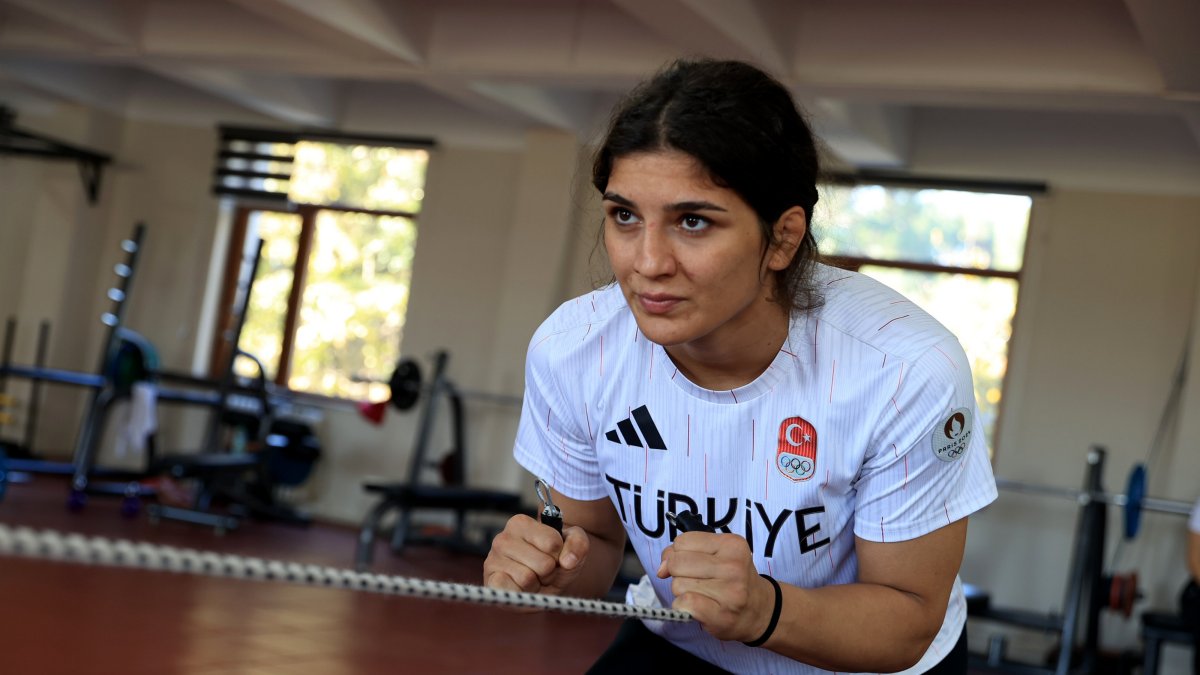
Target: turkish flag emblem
[796, 455]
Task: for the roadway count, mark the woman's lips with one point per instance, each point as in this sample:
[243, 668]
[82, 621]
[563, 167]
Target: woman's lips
[657, 303]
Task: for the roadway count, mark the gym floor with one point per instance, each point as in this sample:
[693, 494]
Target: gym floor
[59, 618]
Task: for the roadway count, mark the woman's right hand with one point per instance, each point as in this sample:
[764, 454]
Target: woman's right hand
[531, 557]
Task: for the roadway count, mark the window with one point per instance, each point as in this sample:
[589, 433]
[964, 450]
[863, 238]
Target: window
[326, 313]
[957, 254]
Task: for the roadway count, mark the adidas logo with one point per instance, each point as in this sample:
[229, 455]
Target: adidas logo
[639, 418]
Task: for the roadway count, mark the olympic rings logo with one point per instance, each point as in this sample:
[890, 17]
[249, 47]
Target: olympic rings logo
[800, 466]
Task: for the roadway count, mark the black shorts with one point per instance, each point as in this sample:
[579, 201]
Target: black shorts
[637, 650]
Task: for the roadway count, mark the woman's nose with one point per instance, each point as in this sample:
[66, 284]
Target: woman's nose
[656, 256]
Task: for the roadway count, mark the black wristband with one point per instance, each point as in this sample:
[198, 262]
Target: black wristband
[774, 614]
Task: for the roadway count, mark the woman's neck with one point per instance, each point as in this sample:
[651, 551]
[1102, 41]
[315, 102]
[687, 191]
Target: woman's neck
[733, 356]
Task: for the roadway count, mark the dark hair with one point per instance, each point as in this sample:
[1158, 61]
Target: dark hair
[745, 130]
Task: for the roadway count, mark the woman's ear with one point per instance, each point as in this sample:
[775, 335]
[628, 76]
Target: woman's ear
[789, 232]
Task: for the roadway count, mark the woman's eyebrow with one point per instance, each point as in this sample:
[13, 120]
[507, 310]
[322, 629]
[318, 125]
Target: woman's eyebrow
[694, 206]
[697, 205]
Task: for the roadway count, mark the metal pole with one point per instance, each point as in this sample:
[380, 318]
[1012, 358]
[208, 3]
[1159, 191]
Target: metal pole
[1077, 582]
[1085, 497]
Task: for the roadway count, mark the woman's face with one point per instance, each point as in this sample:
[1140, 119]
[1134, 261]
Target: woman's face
[687, 253]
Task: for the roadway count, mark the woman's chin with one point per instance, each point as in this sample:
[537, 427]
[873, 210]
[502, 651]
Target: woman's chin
[664, 332]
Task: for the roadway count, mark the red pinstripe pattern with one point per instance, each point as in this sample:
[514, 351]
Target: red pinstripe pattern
[766, 480]
[588, 417]
[651, 379]
[898, 383]
[890, 322]
[832, 380]
[952, 365]
[539, 342]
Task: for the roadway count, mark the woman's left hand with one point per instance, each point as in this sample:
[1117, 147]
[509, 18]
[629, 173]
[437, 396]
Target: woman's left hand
[714, 580]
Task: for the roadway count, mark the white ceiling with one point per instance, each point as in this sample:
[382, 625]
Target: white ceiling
[1093, 93]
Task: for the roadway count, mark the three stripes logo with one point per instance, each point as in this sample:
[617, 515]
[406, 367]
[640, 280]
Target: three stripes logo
[639, 420]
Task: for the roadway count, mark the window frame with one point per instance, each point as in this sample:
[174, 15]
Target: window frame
[235, 253]
[889, 180]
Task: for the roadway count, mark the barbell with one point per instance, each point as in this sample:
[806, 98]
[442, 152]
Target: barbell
[407, 386]
[1132, 503]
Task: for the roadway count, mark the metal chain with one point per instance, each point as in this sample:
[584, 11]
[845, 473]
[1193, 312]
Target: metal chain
[51, 545]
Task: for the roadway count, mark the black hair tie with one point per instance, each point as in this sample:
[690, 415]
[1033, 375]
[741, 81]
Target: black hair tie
[774, 614]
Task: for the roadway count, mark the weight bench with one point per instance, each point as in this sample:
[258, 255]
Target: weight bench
[453, 495]
[1157, 628]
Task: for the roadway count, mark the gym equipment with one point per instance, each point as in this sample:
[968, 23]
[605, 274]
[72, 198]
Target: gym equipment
[1132, 503]
[1089, 589]
[411, 495]
[405, 384]
[14, 141]
[128, 358]
[407, 388]
[51, 545]
[227, 474]
[23, 449]
[1157, 628]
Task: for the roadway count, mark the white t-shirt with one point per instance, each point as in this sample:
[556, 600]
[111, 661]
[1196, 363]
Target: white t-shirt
[1193, 521]
[863, 425]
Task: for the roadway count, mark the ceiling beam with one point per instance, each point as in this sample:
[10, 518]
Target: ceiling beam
[104, 87]
[1169, 31]
[864, 135]
[295, 100]
[108, 22]
[366, 27]
[747, 30]
[573, 111]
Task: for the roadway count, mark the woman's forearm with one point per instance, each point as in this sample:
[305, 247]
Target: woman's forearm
[855, 627]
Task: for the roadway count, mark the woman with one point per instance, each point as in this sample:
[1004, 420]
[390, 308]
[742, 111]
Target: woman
[818, 421]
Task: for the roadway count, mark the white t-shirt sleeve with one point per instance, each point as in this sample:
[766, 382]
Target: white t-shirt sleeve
[1194, 521]
[551, 443]
[927, 465]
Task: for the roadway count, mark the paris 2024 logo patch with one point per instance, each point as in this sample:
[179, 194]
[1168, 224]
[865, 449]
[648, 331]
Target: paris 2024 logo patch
[951, 439]
[796, 456]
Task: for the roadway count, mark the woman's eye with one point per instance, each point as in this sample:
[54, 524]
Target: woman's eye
[623, 217]
[693, 223]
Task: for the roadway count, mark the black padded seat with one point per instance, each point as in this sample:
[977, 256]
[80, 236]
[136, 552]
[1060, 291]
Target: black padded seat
[204, 465]
[1157, 628]
[413, 494]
